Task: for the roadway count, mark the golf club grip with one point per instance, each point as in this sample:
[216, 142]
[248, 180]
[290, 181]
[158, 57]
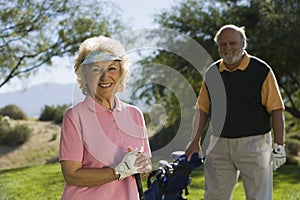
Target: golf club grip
[139, 186]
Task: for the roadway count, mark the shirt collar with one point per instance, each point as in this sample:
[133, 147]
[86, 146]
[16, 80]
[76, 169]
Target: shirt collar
[243, 65]
[96, 107]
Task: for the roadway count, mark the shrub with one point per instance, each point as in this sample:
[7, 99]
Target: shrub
[13, 112]
[54, 137]
[59, 114]
[17, 135]
[4, 128]
[47, 114]
[292, 160]
[293, 146]
[295, 136]
[53, 113]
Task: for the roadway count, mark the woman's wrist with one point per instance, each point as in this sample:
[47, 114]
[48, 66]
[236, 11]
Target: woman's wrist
[116, 176]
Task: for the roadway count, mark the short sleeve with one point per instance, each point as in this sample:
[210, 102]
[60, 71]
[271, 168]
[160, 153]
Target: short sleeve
[271, 97]
[141, 122]
[71, 145]
[203, 102]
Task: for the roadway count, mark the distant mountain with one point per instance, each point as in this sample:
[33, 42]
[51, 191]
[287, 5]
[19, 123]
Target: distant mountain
[33, 100]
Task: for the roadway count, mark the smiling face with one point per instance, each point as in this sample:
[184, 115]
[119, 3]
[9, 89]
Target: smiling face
[230, 46]
[102, 79]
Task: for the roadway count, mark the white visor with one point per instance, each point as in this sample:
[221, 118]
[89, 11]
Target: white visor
[99, 56]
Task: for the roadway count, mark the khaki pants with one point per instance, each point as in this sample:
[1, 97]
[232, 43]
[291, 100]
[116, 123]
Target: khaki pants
[249, 157]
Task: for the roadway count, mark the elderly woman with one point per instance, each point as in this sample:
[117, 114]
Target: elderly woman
[103, 140]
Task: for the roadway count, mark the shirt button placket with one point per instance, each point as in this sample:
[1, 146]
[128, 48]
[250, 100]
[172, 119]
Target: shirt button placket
[115, 124]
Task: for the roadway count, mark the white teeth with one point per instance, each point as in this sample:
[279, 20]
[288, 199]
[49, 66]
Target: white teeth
[105, 85]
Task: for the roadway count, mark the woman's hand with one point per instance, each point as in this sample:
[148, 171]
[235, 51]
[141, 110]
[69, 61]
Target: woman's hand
[143, 163]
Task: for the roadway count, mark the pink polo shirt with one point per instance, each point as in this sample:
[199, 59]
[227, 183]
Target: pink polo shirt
[99, 138]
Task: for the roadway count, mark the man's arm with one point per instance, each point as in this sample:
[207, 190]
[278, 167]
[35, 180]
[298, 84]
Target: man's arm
[199, 122]
[278, 126]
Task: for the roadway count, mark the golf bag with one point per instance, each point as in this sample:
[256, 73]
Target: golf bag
[171, 179]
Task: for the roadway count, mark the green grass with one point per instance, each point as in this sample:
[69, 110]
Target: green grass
[286, 185]
[34, 183]
[45, 182]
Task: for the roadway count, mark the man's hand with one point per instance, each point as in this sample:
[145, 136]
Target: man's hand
[193, 147]
[279, 157]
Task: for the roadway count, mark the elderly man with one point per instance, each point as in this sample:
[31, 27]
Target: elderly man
[243, 145]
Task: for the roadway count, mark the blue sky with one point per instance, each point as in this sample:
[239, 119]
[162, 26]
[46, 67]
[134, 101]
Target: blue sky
[139, 13]
[135, 13]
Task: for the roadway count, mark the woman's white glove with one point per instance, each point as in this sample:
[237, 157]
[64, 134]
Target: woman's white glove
[279, 157]
[126, 167]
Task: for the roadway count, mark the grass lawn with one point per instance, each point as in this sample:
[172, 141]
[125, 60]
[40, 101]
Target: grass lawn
[34, 183]
[46, 182]
[286, 185]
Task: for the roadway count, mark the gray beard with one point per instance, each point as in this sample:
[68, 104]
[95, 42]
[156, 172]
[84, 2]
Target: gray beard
[235, 59]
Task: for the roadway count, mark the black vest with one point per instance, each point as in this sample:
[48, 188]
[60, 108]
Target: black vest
[245, 114]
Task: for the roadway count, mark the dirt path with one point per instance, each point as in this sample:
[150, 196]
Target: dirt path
[6, 149]
[42, 146]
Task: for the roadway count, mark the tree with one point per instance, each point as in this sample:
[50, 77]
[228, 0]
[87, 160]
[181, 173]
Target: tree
[271, 26]
[33, 32]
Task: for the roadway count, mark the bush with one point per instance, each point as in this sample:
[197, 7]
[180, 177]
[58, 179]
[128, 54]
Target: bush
[295, 136]
[13, 112]
[59, 114]
[18, 134]
[53, 113]
[293, 146]
[292, 160]
[4, 128]
[47, 114]
[54, 137]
